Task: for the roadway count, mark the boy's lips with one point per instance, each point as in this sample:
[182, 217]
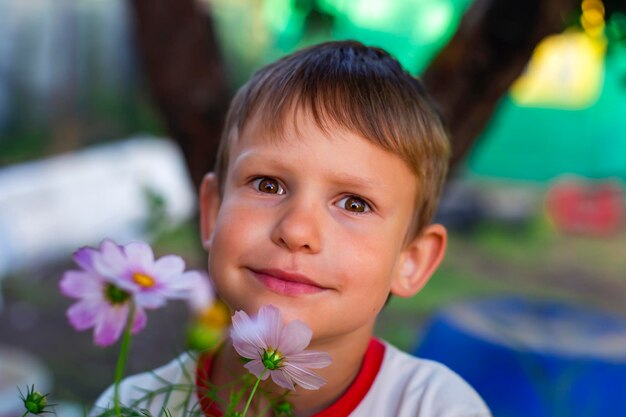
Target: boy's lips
[286, 283]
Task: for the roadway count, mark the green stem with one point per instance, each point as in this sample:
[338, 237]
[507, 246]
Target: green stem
[24, 414]
[256, 385]
[121, 360]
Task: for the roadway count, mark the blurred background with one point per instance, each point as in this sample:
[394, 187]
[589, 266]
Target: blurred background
[110, 113]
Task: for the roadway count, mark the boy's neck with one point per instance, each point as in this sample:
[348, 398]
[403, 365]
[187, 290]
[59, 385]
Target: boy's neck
[347, 356]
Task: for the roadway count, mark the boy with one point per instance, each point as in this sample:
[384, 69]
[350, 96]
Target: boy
[328, 175]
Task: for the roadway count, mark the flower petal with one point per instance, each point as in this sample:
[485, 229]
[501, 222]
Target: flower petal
[271, 323]
[303, 377]
[83, 314]
[169, 266]
[185, 286]
[183, 283]
[112, 251]
[310, 359]
[79, 284]
[201, 294]
[281, 379]
[110, 261]
[245, 349]
[256, 368]
[123, 280]
[140, 320]
[150, 299]
[110, 324]
[140, 254]
[84, 257]
[246, 336]
[295, 337]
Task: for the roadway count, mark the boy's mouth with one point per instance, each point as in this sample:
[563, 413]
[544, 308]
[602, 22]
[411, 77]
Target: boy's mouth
[286, 283]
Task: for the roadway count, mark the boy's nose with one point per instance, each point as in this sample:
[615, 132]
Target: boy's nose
[298, 229]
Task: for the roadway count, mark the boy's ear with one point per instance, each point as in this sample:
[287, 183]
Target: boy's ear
[420, 259]
[209, 206]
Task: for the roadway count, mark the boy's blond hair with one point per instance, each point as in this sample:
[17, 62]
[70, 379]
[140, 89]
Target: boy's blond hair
[361, 89]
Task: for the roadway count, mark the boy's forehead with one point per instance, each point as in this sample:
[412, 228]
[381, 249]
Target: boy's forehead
[289, 127]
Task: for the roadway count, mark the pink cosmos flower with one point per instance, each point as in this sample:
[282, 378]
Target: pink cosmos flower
[113, 277]
[151, 282]
[278, 350]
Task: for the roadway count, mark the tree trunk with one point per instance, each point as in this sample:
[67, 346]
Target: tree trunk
[186, 75]
[487, 53]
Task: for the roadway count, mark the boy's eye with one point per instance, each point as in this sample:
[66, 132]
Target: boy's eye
[268, 186]
[354, 204]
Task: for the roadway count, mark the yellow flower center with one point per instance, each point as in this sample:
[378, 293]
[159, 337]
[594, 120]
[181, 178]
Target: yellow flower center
[145, 281]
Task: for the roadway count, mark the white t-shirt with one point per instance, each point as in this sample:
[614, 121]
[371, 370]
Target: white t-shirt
[390, 383]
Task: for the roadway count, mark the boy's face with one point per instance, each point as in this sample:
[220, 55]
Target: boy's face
[314, 224]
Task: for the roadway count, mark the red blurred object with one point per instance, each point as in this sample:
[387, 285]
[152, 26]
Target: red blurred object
[586, 207]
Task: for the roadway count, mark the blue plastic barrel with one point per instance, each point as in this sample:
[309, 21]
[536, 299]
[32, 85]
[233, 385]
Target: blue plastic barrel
[534, 358]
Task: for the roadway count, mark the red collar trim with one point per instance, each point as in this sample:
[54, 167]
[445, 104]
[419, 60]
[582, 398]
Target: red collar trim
[344, 405]
[203, 389]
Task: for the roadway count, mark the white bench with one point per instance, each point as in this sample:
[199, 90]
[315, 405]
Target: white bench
[51, 207]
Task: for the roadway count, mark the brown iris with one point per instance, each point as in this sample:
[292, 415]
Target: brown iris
[355, 204]
[268, 185]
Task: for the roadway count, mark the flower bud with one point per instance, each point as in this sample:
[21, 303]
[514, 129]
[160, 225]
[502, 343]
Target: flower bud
[272, 359]
[34, 401]
[283, 409]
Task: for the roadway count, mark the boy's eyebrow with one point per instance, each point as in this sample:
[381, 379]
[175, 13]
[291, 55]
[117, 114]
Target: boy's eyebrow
[245, 158]
[356, 180]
